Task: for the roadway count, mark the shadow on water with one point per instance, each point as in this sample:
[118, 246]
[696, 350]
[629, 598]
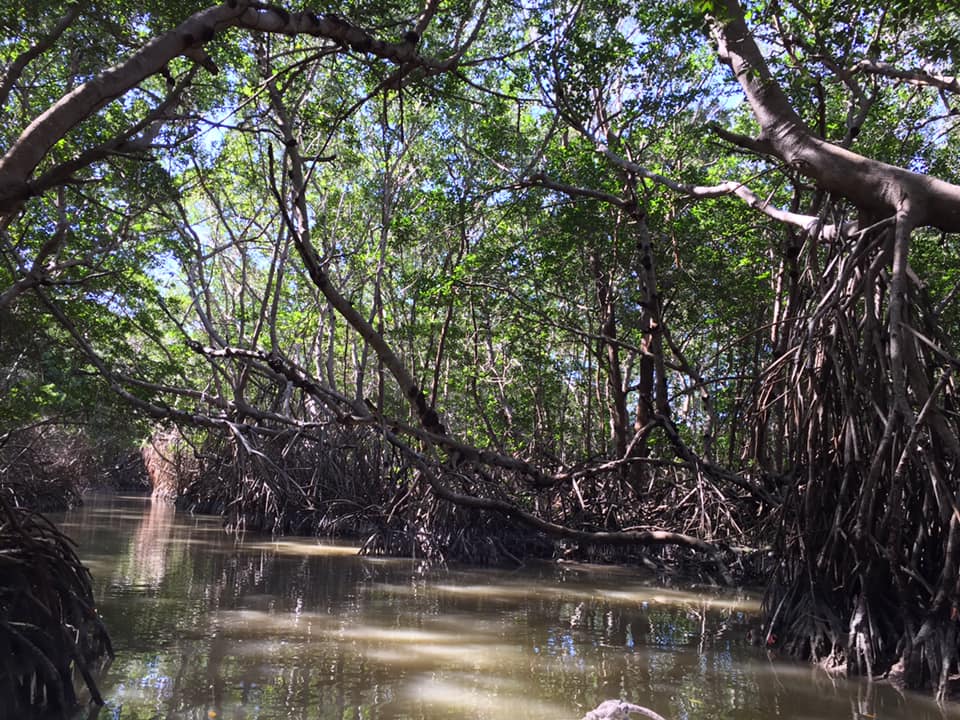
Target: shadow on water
[209, 627]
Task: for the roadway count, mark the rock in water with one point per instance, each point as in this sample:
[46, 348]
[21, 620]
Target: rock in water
[619, 710]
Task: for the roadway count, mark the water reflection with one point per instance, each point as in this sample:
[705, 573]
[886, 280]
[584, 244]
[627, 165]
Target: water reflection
[208, 627]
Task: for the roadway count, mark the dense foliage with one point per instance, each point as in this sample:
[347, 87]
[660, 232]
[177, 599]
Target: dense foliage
[672, 277]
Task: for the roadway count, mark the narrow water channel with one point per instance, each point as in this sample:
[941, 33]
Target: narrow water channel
[207, 627]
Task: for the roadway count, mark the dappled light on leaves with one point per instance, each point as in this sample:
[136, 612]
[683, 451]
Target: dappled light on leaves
[670, 284]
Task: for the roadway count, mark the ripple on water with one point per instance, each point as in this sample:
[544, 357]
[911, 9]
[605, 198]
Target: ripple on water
[260, 629]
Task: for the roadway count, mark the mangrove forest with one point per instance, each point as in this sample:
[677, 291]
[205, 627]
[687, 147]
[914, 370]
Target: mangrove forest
[671, 286]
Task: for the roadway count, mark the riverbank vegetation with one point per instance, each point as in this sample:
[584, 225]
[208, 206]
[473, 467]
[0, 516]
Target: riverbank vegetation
[672, 283]
[50, 633]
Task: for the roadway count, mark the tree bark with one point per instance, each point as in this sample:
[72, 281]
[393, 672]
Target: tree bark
[870, 184]
[18, 164]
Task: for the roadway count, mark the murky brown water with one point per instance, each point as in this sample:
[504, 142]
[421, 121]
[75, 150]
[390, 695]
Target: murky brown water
[206, 627]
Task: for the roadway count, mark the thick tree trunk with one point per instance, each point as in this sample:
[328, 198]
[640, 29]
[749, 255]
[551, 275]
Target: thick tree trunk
[619, 418]
[884, 189]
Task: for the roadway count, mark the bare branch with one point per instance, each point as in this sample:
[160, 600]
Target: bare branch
[26, 153]
[914, 76]
[870, 184]
[810, 224]
[16, 68]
